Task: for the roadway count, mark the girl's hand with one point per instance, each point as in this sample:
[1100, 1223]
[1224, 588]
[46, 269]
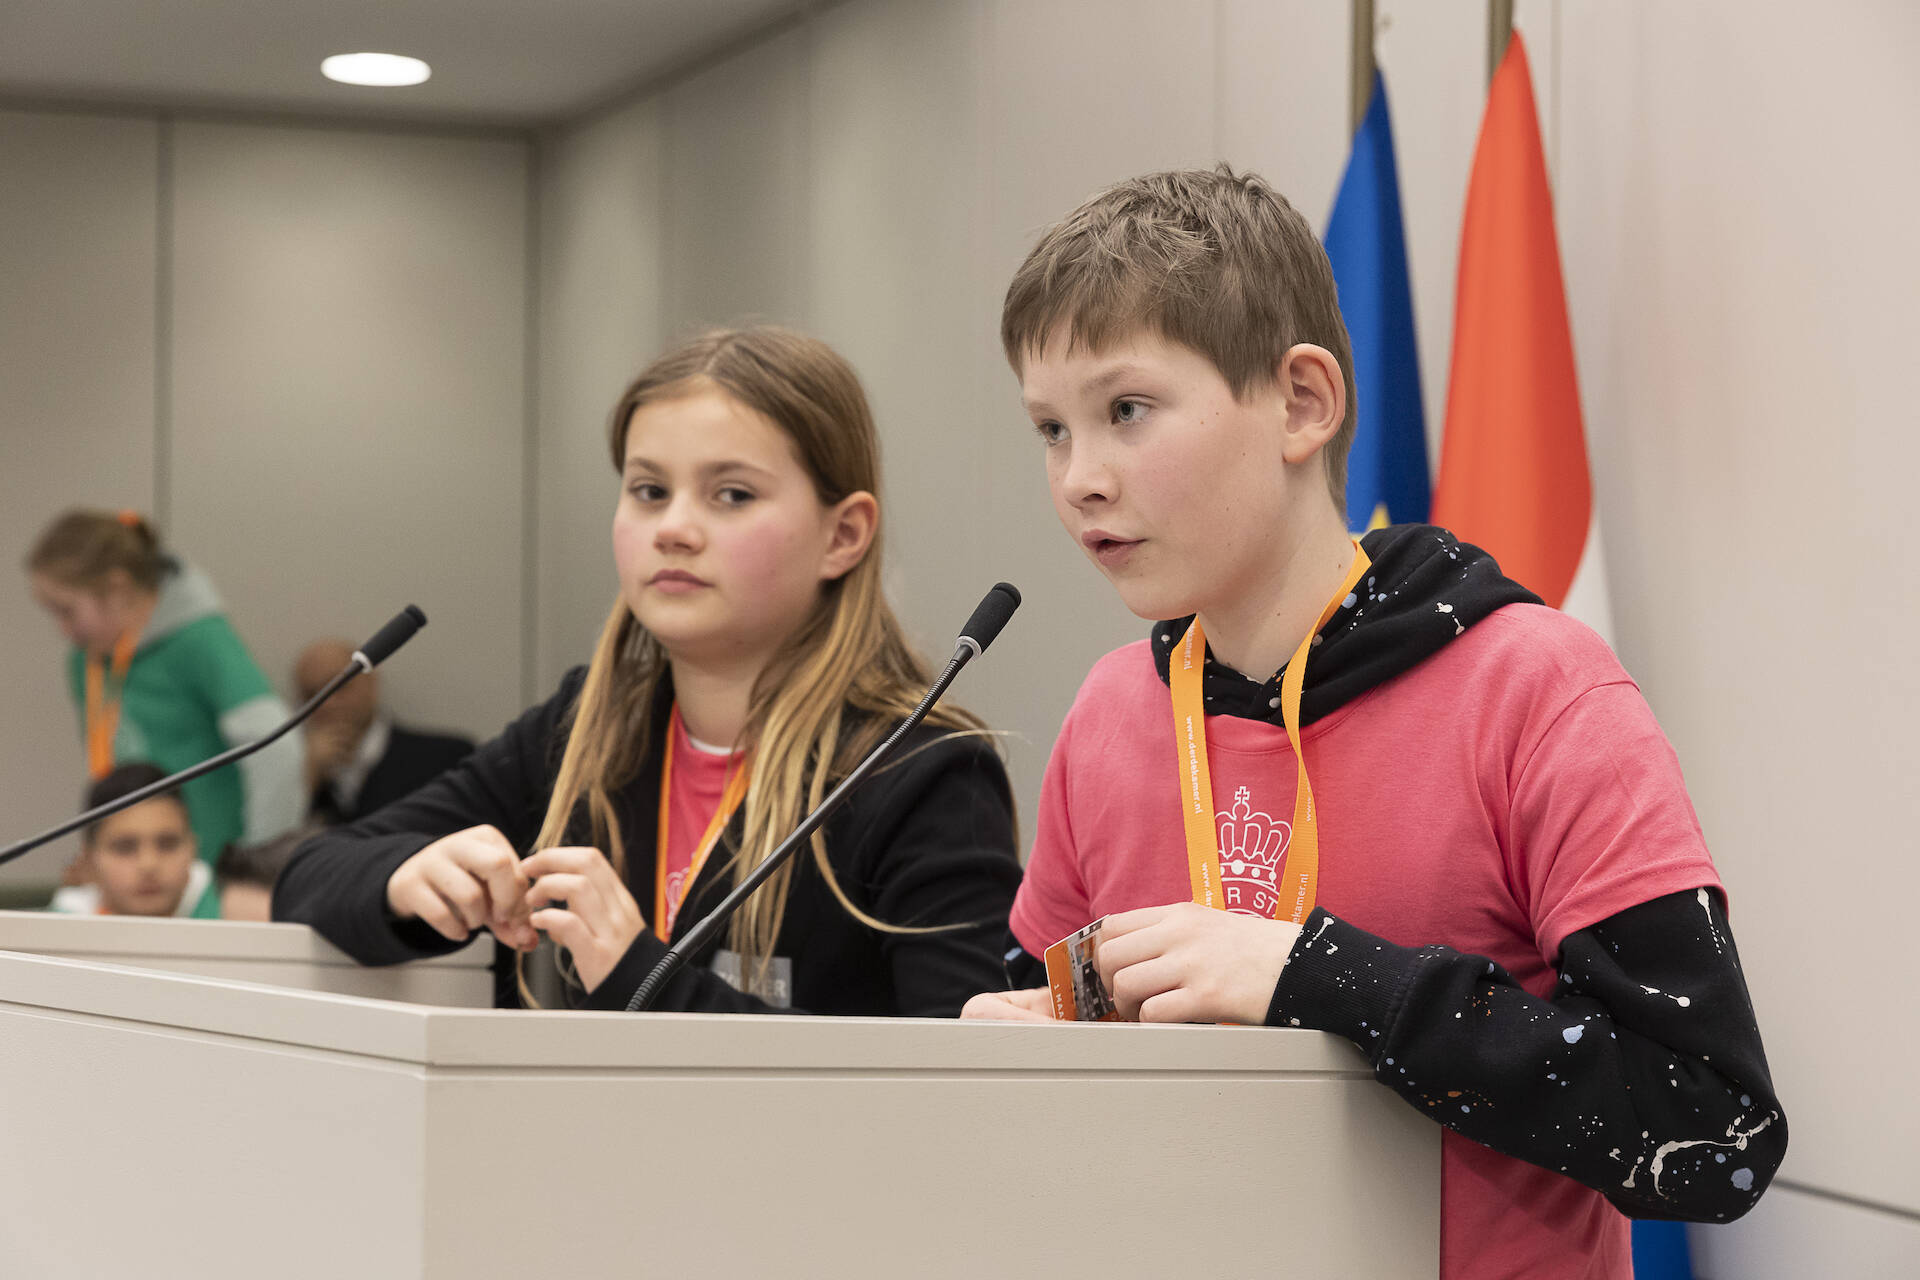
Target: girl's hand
[1189, 963]
[1035, 1004]
[469, 880]
[600, 919]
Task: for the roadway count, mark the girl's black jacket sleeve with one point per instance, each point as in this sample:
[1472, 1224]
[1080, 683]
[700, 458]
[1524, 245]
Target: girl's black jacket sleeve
[928, 839]
[1642, 1076]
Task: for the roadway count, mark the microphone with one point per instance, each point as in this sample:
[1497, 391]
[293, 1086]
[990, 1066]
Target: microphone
[980, 631]
[368, 656]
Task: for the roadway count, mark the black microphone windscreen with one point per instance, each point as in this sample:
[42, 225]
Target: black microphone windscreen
[991, 614]
[393, 635]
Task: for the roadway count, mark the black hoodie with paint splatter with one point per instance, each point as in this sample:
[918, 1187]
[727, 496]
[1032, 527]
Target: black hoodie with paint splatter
[1652, 1098]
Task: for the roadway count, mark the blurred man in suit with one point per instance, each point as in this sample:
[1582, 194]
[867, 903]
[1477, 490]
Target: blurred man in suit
[358, 759]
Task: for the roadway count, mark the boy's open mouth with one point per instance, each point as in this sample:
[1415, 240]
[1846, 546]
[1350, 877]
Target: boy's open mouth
[1106, 548]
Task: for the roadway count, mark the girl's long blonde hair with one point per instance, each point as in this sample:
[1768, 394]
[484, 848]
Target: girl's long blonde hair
[850, 651]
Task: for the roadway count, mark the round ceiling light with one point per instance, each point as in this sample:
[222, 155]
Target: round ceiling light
[383, 69]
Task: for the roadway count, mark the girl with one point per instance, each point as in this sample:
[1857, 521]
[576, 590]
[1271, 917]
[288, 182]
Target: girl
[159, 675]
[749, 662]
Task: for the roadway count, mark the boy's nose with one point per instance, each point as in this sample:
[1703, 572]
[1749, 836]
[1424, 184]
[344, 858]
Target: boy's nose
[1087, 479]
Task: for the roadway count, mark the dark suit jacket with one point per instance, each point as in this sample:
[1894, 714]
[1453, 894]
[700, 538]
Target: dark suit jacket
[412, 760]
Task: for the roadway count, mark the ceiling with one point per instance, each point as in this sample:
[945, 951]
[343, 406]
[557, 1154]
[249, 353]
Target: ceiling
[514, 63]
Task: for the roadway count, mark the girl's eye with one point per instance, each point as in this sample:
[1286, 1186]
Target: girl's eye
[646, 491]
[734, 496]
[1129, 412]
[1051, 432]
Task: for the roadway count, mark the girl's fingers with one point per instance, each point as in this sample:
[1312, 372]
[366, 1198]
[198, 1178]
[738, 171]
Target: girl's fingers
[565, 928]
[462, 892]
[486, 855]
[579, 894]
[575, 859]
[427, 904]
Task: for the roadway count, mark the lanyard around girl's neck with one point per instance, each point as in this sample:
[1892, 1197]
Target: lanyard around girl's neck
[665, 911]
[1294, 899]
[103, 707]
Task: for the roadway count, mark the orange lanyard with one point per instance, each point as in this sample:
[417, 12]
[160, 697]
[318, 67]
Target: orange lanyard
[1295, 897]
[103, 712]
[664, 912]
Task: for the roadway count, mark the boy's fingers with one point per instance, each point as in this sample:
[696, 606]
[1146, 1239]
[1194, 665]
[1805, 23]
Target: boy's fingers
[1111, 955]
[1125, 922]
[1136, 984]
[1177, 1005]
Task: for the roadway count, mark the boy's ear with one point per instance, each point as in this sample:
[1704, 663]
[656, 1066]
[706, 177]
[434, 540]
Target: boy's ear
[853, 520]
[1314, 390]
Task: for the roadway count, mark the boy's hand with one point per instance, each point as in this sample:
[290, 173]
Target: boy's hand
[465, 881]
[1035, 1004]
[599, 920]
[1189, 963]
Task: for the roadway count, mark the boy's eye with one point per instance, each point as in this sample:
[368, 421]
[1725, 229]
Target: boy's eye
[1129, 412]
[646, 491]
[1051, 432]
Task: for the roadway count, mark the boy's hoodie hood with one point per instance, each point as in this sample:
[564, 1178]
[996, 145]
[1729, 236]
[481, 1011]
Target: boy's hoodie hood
[1424, 588]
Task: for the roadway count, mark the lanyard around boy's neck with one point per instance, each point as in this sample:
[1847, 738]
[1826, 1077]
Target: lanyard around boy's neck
[1184, 666]
[665, 911]
[103, 706]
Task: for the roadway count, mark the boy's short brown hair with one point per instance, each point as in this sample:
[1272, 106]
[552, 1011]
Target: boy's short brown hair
[1212, 259]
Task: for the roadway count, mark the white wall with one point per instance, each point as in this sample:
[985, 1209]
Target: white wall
[77, 297]
[305, 347]
[1735, 199]
[601, 266]
[348, 374]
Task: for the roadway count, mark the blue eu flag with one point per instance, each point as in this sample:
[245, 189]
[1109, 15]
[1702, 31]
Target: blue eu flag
[1387, 477]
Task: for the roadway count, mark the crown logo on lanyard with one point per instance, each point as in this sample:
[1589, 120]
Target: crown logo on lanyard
[1251, 847]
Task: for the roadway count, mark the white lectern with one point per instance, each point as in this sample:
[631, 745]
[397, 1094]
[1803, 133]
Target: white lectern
[167, 1125]
[280, 955]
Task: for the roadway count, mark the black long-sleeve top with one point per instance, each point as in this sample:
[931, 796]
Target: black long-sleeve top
[1659, 1101]
[927, 840]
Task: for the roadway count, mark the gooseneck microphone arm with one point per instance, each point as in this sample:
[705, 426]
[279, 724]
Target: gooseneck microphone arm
[981, 628]
[370, 655]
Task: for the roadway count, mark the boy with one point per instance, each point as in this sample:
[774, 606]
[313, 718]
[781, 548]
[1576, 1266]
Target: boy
[141, 861]
[1437, 817]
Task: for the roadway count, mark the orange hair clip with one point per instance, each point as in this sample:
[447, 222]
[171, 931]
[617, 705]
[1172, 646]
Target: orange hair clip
[130, 518]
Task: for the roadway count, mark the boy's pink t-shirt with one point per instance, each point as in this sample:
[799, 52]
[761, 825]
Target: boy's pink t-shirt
[1505, 793]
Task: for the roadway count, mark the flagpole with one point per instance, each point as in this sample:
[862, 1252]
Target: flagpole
[1499, 31]
[1360, 90]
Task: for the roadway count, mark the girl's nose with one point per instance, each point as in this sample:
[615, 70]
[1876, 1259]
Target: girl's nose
[679, 527]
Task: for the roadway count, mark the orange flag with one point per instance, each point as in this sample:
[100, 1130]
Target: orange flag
[1513, 460]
